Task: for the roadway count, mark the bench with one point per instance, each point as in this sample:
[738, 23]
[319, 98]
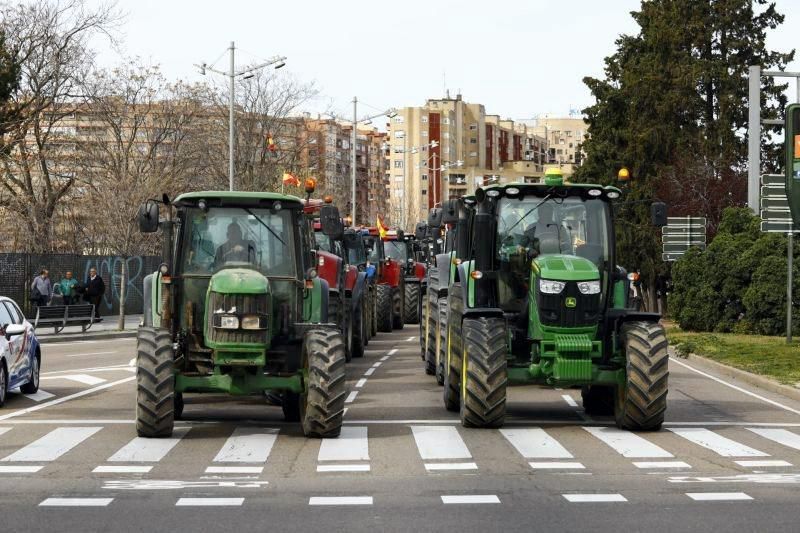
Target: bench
[60, 316]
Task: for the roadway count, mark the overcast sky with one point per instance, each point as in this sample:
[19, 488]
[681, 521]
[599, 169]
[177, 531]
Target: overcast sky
[517, 57]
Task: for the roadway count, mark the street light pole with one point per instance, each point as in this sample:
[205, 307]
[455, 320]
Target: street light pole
[232, 76]
[353, 163]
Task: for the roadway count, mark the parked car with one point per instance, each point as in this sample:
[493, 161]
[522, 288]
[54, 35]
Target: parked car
[20, 356]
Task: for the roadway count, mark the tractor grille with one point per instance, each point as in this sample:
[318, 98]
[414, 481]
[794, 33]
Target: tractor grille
[553, 310]
[245, 304]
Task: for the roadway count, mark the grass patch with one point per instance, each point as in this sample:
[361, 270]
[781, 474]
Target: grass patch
[767, 356]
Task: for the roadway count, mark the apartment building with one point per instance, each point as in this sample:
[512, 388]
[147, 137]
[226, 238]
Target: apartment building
[564, 137]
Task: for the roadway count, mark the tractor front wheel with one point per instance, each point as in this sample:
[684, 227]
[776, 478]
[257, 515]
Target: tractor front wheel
[411, 303]
[452, 343]
[384, 310]
[641, 402]
[430, 339]
[155, 383]
[484, 376]
[322, 405]
[359, 330]
[397, 307]
[441, 335]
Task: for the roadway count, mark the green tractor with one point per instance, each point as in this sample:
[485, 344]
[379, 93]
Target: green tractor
[538, 299]
[238, 307]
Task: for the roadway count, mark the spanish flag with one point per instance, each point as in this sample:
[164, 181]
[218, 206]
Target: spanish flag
[382, 229]
[290, 179]
[271, 146]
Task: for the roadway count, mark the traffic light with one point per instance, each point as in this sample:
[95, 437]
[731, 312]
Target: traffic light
[792, 144]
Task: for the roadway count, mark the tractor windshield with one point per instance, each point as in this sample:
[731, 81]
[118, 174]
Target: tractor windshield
[373, 248]
[397, 250]
[542, 226]
[357, 254]
[227, 235]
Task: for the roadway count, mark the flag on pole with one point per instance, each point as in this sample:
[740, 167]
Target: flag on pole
[271, 146]
[290, 179]
[382, 229]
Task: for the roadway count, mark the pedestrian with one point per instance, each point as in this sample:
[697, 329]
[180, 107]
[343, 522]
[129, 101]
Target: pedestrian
[68, 286]
[41, 289]
[94, 291]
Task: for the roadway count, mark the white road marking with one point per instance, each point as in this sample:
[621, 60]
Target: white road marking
[4, 429]
[175, 484]
[432, 467]
[384, 358]
[555, 465]
[88, 354]
[351, 397]
[110, 368]
[132, 362]
[143, 450]
[53, 445]
[361, 382]
[763, 463]
[247, 445]
[410, 339]
[718, 496]
[40, 396]
[628, 444]
[594, 498]
[781, 436]
[27, 469]
[734, 387]
[86, 379]
[76, 502]
[535, 443]
[340, 500]
[376, 365]
[570, 400]
[234, 469]
[661, 464]
[440, 442]
[369, 371]
[342, 468]
[471, 498]
[392, 351]
[756, 477]
[352, 445]
[717, 443]
[63, 399]
[209, 502]
[122, 469]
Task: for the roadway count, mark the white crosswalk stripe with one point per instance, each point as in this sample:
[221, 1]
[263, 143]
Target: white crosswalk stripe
[53, 445]
[247, 445]
[781, 436]
[4, 429]
[142, 450]
[717, 443]
[352, 445]
[535, 443]
[628, 444]
[440, 443]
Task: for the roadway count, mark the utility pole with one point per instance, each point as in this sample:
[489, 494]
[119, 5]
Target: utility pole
[353, 163]
[232, 77]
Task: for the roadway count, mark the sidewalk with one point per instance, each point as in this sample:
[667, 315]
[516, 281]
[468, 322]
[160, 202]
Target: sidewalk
[107, 329]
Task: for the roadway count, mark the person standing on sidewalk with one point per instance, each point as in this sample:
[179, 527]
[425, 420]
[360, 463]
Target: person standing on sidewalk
[41, 289]
[95, 289]
[68, 288]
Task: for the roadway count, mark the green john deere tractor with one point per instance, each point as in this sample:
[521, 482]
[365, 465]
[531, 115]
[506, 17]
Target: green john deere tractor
[538, 299]
[237, 307]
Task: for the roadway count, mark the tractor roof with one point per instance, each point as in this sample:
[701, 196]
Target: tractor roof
[543, 189]
[235, 198]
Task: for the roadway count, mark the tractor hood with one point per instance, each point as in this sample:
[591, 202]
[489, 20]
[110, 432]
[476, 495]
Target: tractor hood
[239, 280]
[565, 268]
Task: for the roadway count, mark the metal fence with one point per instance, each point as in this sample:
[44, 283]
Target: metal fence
[18, 270]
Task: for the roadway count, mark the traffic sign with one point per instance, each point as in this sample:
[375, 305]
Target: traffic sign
[680, 247]
[680, 222]
[776, 214]
[676, 230]
[686, 239]
[773, 190]
[779, 226]
[775, 202]
[670, 257]
[773, 179]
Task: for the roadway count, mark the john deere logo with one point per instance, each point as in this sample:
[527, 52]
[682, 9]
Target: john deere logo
[571, 302]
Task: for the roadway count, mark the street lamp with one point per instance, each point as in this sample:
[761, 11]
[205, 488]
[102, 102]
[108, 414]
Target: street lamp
[245, 74]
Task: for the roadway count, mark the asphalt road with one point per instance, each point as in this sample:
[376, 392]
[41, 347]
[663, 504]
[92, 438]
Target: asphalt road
[727, 459]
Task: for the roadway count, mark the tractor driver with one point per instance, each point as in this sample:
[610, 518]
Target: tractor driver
[547, 235]
[236, 249]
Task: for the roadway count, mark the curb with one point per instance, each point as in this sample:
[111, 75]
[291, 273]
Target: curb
[70, 337]
[743, 376]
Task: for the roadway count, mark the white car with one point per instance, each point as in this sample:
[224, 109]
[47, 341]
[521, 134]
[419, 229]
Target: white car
[20, 355]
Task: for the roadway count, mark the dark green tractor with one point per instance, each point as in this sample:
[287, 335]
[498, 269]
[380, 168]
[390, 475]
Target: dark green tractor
[538, 299]
[237, 307]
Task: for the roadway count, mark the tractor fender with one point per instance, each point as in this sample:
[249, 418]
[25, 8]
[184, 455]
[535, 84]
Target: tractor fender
[392, 273]
[350, 276]
[147, 291]
[329, 266]
[616, 317]
[467, 287]
[420, 270]
[443, 262]
[315, 301]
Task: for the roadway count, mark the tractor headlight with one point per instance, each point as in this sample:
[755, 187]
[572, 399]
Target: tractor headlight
[549, 286]
[589, 287]
[226, 321]
[254, 322]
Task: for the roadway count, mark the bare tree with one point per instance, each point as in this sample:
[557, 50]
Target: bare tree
[141, 142]
[49, 42]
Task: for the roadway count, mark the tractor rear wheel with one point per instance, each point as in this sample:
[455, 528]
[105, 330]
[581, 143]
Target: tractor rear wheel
[641, 403]
[483, 386]
[359, 331]
[322, 405]
[397, 307]
[411, 303]
[155, 383]
[430, 339]
[453, 345]
[384, 308]
[373, 310]
[441, 346]
[598, 400]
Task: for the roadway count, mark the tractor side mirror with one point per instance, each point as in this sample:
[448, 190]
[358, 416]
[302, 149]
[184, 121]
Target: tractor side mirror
[450, 212]
[435, 217]
[658, 213]
[331, 222]
[148, 217]
[420, 231]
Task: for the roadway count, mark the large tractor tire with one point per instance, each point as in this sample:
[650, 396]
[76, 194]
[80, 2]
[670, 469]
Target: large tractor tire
[430, 339]
[411, 303]
[397, 306]
[641, 403]
[374, 310]
[335, 316]
[483, 387]
[367, 311]
[423, 325]
[359, 330]
[441, 336]
[598, 400]
[452, 362]
[155, 383]
[384, 308]
[322, 406]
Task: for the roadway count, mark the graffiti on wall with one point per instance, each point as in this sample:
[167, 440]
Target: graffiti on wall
[110, 270]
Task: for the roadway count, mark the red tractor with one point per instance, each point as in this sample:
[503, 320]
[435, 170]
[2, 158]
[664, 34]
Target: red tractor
[347, 300]
[403, 248]
[390, 289]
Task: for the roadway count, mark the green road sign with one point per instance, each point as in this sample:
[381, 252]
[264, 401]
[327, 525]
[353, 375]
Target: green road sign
[775, 203]
[679, 248]
[773, 191]
[779, 226]
[775, 214]
[792, 149]
[773, 179]
[686, 239]
[670, 257]
[675, 230]
[686, 222]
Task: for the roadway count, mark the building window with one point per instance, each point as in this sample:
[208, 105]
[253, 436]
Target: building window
[473, 154]
[398, 177]
[446, 135]
[424, 177]
[569, 134]
[398, 119]
[424, 133]
[424, 192]
[398, 163]
[399, 134]
[473, 140]
[473, 127]
[424, 119]
[445, 120]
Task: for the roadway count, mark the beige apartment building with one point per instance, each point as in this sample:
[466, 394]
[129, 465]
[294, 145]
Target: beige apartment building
[564, 138]
[448, 147]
